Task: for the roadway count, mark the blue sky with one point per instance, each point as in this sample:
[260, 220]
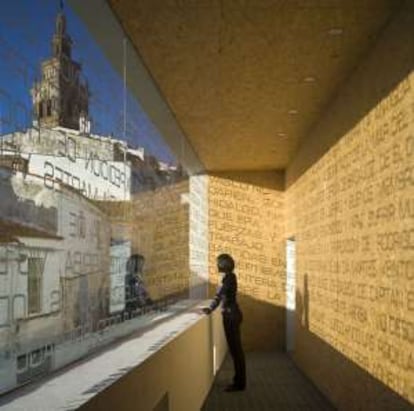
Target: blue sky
[26, 29]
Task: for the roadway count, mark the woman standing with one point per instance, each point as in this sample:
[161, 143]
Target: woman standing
[232, 318]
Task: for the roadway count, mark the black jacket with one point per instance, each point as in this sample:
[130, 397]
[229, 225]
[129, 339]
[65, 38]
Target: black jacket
[226, 295]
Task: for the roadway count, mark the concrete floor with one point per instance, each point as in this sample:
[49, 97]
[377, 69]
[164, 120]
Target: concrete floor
[273, 383]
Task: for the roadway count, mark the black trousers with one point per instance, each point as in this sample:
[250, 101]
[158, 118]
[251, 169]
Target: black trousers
[231, 323]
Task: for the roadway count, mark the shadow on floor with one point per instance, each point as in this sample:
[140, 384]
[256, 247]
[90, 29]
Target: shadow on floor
[273, 383]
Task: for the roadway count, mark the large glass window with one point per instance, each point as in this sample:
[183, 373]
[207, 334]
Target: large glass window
[94, 206]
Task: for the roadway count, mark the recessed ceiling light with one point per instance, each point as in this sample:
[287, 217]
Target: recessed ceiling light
[281, 134]
[293, 112]
[335, 31]
[309, 79]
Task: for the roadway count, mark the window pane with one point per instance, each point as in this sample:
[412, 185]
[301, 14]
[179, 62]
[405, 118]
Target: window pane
[34, 284]
[95, 206]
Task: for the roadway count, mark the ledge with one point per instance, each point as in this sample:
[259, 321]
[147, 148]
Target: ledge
[79, 382]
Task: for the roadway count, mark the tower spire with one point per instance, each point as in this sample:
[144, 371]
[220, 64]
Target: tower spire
[61, 98]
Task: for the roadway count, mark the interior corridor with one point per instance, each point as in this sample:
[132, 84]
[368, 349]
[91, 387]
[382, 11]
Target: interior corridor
[273, 383]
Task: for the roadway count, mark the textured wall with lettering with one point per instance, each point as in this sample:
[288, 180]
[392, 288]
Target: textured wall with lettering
[352, 214]
[156, 223]
[246, 220]
[198, 236]
[163, 218]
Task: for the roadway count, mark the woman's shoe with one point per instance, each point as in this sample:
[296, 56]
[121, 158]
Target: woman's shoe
[233, 387]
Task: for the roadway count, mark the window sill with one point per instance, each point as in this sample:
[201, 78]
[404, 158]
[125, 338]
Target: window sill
[77, 383]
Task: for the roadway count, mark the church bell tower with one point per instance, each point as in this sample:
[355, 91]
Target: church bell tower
[60, 98]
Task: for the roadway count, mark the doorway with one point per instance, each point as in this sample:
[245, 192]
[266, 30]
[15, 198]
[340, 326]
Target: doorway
[290, 293]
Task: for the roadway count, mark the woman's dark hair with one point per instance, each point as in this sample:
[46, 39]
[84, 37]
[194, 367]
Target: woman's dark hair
[225, 263]
[135, 263]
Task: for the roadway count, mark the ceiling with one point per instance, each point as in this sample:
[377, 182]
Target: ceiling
[246, 80]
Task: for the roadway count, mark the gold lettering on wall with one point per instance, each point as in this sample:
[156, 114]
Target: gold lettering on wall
[247, 222]
[352, 215]
[156, 223]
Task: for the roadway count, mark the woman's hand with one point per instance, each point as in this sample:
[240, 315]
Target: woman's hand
[206, 310]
